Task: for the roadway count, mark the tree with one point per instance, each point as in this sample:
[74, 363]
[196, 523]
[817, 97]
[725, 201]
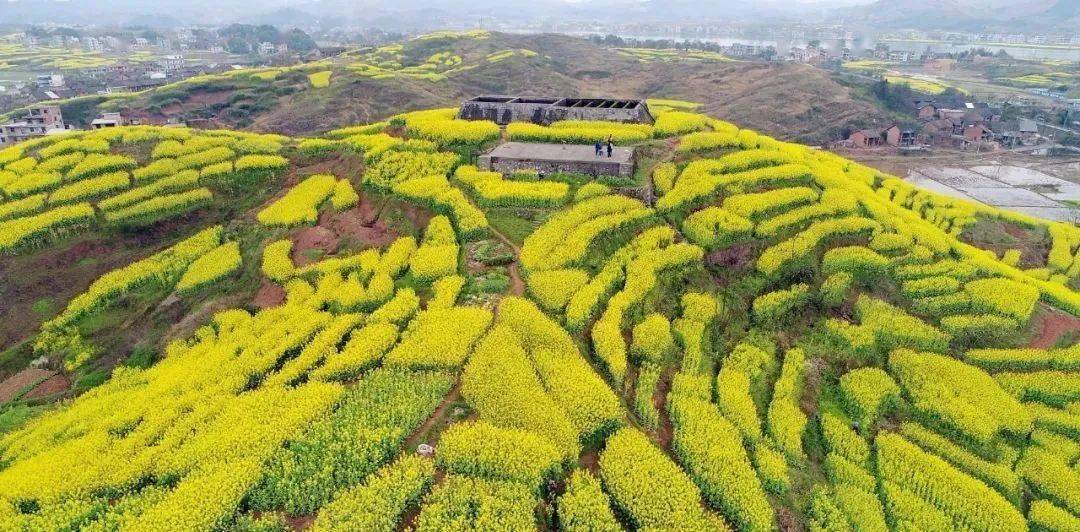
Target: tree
[236, 45]
[267, 33]
[299, 41]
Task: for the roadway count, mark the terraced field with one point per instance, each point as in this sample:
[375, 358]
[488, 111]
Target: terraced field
[749, 335]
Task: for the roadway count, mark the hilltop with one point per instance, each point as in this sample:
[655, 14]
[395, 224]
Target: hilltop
[790, 101]
[363, 330]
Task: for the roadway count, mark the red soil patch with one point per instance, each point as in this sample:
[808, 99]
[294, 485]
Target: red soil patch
[302, 522]
[20, 381]
[590, 461]
[732, 257]
[787, 520]
[1015, 231]
[1052, 326]
[269, 295]
[360, 224]
[310, 238]
[73, 254]
[51, 386]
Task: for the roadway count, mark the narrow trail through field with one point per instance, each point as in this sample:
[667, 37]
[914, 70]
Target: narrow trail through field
[517, 284]
[665, 431]
[422, 433]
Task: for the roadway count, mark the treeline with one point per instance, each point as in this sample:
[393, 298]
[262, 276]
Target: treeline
[246, 38]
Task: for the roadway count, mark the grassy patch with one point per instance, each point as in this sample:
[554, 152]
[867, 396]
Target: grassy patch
[493, 281]
[15, 416]
[91, 379]
[44, 307]
[1000, 236]
[514, 224]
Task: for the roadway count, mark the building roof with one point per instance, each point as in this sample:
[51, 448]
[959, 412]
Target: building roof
[559, 152]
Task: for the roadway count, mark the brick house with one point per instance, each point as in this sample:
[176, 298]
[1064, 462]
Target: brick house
[927, 111]
[891, 135]
[977, 133]
[865, 138]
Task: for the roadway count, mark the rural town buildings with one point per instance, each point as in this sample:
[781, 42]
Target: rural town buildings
[39, 121]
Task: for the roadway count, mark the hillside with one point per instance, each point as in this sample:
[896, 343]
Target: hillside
[272, 333]
[789, 101]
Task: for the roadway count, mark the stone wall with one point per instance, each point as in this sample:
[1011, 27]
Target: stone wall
[506, 109]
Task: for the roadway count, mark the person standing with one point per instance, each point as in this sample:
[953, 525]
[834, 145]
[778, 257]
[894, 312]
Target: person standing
[598, 148]
[610, 147]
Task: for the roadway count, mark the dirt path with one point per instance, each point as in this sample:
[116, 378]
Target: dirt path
[665, 431]
[302, 522]
[1052, 327]
[517, 285]
[420, 435]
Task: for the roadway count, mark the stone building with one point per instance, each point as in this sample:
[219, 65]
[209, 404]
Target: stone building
[550, 159]
[506, 109]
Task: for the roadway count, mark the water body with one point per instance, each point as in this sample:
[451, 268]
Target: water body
[867, 43]
[1019, 52]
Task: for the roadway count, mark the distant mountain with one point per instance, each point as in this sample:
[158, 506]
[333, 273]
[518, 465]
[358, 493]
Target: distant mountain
[124, 12]
[284, 17]
[966, 15]
[974, 15]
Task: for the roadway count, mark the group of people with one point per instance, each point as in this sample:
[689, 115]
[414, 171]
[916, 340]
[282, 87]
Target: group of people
[601, 145]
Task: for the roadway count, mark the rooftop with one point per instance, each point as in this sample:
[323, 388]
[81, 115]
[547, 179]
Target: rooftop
[560, 152]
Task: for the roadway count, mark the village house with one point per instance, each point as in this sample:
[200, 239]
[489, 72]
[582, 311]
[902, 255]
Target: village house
[977, 133]
[869, 138]
[39, 121]
[926, 111]
[105, 120]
